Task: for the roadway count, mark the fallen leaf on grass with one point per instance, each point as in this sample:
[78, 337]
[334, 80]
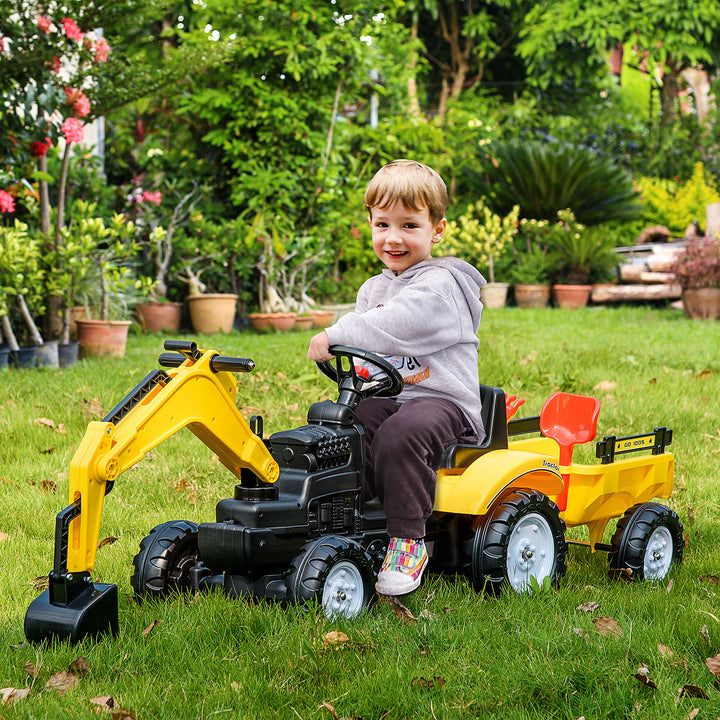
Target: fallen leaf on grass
[691, 516]
[30, 669]
[643, 675]
[45, 422]
[62, 682]
[107, 541]
[703, 374]
[606, 386]
[669, 586]
[713, 665]
[48, 486]
[693, 714]
[692, 691]
[335, 638]
[425, 684]
[624, 574]
[104, 702]
[608, 626]
[79, 666]
[4, 536]
[12, 695]
[401, 612]
[150, 627]
[709, 578]
[40, 583]
[665, 651]
[589, 606]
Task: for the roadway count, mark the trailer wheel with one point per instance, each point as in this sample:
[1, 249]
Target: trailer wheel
[522, 537]
[648, 540]
[166, 556]
[335, 572]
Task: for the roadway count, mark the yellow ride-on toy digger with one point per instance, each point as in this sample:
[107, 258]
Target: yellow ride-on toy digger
[298, 527]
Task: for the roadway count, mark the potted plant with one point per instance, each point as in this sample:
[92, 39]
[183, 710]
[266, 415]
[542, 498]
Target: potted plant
[21, 284]
[531, 263]
[109, 293]
[697, 271]
[481, 237]
[288, 265]
[585, 255]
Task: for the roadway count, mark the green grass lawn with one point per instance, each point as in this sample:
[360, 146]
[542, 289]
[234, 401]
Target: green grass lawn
[463, 655]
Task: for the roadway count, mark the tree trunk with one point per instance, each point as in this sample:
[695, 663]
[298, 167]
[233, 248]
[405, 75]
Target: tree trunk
[413, 100]
[8, 333]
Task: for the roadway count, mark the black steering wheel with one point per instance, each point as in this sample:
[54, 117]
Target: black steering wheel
[388, 384]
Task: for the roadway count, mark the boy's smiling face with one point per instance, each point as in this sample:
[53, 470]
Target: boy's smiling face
[402, 237]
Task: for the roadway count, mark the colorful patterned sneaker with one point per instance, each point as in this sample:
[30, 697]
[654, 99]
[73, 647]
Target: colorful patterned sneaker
[403, 567]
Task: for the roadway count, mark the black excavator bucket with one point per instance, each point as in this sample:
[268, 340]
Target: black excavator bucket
[92, 610]
[73, 606]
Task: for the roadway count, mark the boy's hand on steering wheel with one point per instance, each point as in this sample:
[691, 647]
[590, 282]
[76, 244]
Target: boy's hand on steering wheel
[318, 350]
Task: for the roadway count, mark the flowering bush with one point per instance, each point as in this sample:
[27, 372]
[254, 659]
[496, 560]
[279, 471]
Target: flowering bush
[698, 265]
[44, 98]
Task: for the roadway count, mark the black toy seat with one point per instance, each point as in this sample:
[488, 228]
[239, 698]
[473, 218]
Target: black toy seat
[494, 418]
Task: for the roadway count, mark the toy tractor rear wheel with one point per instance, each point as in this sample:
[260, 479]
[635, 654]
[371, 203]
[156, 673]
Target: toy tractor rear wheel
[335, 572]
[647, 541]
[165, 559]
[522, 537]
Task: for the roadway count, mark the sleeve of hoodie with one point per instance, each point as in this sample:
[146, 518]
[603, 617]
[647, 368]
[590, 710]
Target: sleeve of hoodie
[423, 318]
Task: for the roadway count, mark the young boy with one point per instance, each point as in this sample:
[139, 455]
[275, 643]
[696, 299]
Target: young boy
[423, 313]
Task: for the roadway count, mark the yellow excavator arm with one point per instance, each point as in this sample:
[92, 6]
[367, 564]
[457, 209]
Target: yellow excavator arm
[198, 394]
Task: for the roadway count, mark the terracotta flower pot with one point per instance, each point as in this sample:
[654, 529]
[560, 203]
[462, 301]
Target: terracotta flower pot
[530, 295]
[322, 318]
[282, 321]
[701, 303]
[303, 322]
[571, 296]
[494, 295]
[159, 316]
[104, 338]
[212, 312]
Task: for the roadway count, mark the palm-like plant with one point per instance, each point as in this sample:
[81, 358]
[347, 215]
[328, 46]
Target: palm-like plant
[544, 178]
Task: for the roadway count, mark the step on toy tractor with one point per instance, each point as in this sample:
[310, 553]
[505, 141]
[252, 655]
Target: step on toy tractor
[298, 527]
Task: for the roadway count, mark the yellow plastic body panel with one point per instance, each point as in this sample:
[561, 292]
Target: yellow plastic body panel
[596, 493]
[601, 492]
[473, 491]
[196, 398]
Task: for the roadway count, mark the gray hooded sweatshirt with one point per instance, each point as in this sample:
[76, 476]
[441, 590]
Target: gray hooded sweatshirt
[425, 322]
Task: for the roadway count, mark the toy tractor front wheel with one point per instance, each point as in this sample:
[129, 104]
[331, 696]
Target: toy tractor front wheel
[165, 559]
[522, 538]
[335, 572]
[647, 541]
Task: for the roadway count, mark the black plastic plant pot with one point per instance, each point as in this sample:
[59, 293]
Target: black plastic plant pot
[92, 613]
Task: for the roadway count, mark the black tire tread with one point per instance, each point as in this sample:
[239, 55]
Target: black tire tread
[633, 530]
[157, 551]
[488, 562]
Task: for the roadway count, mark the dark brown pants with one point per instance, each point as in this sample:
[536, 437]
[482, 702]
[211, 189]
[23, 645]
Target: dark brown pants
[404, 444]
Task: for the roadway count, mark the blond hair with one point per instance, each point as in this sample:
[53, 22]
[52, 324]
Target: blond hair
[415, 185]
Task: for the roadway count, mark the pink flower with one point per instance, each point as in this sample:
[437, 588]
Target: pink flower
[72, 31]
[73, 130]
[2, 44]
[55, 65]
[152, 197]
[78, 100]
[102, 50]
[39, 148]
[7, 202]
[44, 24]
